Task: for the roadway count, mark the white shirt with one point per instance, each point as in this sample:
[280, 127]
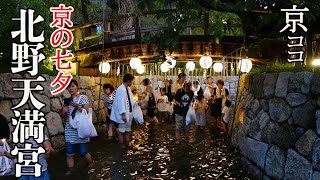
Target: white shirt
[226, 111]
[121, 104]
[162, 103]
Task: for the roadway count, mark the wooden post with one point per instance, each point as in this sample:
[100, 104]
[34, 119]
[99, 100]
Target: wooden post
[137, 29]
[189, 31]
[107, 30]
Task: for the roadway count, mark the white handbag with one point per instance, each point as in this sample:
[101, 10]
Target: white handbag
[6, 164]
[85, 126]
[170, 108]
[191, 115]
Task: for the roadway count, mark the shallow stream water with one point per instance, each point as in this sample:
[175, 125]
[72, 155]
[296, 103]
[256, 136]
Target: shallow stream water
[154, 155]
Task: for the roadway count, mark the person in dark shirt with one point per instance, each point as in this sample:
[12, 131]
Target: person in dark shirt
[220, 95]
[182, 101]
[167, 90]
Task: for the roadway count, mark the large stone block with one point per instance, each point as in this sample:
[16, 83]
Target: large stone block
[297, 167]
[58, 142]
[256, 86]
[264, 104]
[5, 109]
[85, 82]
[255, 107]
[275, 162]
[269, 132]
[97, 105]
[318, 121]
[56, 105]
[285, 137]
[255, 151]
[306, 78]
[65, 94]
[300, 82]
[296, 99]
[8, 85]
[94, 117]
[46, 86]
[54, 123]
[316, 155]
[254, 130]
[304, 115]
[248, 101]
[44, 100]
[264, 119]
[279, 110]
[316, 175]
[90, 96]
[102, 115]
[22, 108]
[281, 90]
[315, 85]
[255, 171]
[269, 85]
[305, 143]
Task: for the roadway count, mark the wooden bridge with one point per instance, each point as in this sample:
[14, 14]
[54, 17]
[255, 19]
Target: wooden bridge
[123, 43]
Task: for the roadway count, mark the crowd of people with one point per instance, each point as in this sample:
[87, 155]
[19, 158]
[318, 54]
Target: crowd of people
[173, 103]
[210, 103]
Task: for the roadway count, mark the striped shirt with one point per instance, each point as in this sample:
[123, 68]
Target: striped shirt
[42, 159]
[71, 134]
[108, 99]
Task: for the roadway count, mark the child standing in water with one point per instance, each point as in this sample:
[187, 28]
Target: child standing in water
[226, 113]
[201, 108]
[162, 102]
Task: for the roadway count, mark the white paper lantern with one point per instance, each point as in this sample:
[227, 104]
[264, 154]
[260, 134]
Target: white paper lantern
[135, 63]
[104, 67]
[218, 67]
[140, 69]
[245, 65]
[316, 62]
[190, 66]
[205, 62]
[164, 67]
[171, 61]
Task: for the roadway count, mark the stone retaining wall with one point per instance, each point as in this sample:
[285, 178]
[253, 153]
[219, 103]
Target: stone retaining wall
[277, 125]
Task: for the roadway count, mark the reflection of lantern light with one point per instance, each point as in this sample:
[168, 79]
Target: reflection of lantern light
[135, 63]
[164, 67]
[171, 61]
[316, 62]
[190, 66]
[104, 67]
[140, 69]
[245, 65]
[205, 62]
[217, 67]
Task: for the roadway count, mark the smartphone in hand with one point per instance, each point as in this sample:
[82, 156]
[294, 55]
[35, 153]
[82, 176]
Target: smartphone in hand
[67, 101]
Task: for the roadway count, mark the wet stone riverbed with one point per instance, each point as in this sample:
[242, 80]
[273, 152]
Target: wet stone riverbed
[154, 155]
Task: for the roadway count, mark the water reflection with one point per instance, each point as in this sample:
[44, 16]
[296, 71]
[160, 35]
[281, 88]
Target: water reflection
[154, 155]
